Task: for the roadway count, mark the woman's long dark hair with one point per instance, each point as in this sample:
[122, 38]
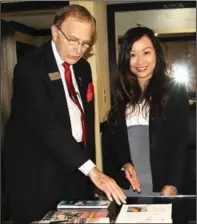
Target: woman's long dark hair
[127, 91]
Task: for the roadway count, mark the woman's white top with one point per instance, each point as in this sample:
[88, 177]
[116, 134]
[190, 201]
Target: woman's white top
[138, 116]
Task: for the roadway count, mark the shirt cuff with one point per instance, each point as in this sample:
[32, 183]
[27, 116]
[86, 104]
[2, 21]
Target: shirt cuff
[86, 167]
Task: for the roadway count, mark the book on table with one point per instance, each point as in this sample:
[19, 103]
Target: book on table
[91, 204]
[145, 213]
[75, 216]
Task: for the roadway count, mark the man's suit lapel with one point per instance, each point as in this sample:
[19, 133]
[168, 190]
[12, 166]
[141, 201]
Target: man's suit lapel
[56, 86]
[50, 59]
[52, 68]
[58, 93]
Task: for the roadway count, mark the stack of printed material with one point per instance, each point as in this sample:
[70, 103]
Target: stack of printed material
[145, 213]
[74, 216]
[95, 211]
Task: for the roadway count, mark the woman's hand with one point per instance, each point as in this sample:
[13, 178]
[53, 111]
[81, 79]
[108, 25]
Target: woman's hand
[169, 190]
[132, 177]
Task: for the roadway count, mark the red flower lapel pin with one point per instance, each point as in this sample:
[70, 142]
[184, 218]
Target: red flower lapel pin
[90, 92]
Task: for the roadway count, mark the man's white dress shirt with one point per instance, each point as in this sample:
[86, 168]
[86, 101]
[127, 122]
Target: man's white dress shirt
[74, 112]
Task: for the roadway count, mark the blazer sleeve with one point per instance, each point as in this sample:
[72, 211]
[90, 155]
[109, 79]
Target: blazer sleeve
[115, 155]
[37, 111]
[180, 121]
[118, 140]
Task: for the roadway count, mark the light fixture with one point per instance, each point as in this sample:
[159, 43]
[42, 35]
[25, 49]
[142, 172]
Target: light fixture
[180, 73]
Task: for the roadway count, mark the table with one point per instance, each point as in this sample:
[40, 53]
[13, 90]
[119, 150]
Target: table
[183, 207]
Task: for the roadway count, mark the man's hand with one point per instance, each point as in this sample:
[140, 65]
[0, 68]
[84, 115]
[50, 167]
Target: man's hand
[169, 191]
[132, 177]
[107, 185]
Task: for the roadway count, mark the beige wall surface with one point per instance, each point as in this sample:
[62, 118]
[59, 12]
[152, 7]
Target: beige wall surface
[161, 21]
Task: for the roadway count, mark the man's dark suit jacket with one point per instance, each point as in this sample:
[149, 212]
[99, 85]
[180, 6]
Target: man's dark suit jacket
[41, 157]
[168, 143]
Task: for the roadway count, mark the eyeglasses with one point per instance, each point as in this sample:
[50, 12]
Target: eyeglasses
[76, 42]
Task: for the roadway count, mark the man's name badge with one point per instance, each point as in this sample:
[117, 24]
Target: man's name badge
[54, 76]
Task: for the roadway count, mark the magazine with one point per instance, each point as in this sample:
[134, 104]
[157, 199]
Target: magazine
[84, 220]
[145, 213]
[83, 204]
[74, 216]
[77, 220]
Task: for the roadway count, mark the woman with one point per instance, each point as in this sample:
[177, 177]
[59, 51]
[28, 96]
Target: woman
[147, 125]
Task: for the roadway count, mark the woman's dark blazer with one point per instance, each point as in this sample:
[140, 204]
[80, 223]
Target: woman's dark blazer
[168, 143]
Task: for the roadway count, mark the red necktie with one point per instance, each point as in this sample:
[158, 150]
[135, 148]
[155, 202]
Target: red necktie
[73, 96]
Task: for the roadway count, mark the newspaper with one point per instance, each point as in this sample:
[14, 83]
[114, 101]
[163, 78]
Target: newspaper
[145, 213]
